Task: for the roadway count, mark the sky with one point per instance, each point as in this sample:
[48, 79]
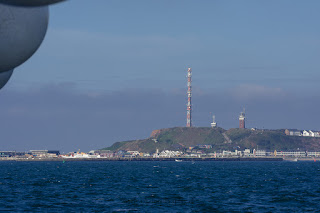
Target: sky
[115, 70]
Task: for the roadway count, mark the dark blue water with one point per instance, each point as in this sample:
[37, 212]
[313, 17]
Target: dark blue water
[160, 186]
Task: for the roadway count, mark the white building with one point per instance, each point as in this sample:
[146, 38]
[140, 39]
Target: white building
[169, 154]
[229, 153]
[226, 153]
[214, 123]
[134, 153]
[305, 133]
[260, 153]
[314, 154]
[247, 151]
[294, 154]
[311, 134]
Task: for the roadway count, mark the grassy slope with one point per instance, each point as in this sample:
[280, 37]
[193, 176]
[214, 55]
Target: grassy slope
[271, 140]
[180, 138]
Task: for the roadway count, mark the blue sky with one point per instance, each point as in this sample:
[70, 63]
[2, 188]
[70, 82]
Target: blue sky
[115, 70]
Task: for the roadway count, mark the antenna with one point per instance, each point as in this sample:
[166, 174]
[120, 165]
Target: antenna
[214, 123]
[189, 93]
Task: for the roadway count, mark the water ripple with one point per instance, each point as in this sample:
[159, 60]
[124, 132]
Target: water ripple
[160, 186]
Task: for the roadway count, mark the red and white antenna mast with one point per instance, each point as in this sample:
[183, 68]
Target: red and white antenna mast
[189, 123]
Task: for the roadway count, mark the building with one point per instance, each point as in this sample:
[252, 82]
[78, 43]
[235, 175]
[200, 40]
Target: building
[311, 133]
[7, 154]
[201, 146]
[214, 123]
[226, 153]
[293, 132]
[45, 153]
[261, 153]
[242, 124]
[287, 132]
[313, 154]
[169, 154]
[293, 153]
[305, 133]
[104, 153]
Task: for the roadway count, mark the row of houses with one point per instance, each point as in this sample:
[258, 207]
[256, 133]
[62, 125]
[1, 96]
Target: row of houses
[245, 153]
[304, 133]
[31, 153]
[264, 153]
[163, 154]
[224, 153]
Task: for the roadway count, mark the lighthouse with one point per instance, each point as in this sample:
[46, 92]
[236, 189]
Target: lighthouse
[242, 118]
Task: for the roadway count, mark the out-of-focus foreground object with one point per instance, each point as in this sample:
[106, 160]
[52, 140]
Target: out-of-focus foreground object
[22, 30]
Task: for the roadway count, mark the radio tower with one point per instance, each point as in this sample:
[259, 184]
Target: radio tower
[189, 123]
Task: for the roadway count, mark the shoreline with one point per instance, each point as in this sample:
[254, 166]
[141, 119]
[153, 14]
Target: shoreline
[302, 159]
[141, 159]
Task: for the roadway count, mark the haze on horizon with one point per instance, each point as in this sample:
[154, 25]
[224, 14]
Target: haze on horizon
[116, 70]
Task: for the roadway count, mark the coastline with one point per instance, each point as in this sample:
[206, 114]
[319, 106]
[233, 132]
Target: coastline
[302, 159]
[140, 159]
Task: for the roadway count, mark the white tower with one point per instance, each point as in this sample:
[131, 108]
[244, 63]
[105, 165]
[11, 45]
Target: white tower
[213, 124]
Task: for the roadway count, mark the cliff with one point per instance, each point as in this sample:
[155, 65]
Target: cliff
[181, 138]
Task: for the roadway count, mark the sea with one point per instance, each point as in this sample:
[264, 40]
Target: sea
[160, 186]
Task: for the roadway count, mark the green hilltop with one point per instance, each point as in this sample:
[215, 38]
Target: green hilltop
[181, 138]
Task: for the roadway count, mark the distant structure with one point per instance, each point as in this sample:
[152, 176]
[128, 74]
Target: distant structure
[189, 121]
[242, 118]
[213, 124]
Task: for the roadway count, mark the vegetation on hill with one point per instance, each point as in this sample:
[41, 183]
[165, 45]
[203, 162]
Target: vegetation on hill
[181, 138]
